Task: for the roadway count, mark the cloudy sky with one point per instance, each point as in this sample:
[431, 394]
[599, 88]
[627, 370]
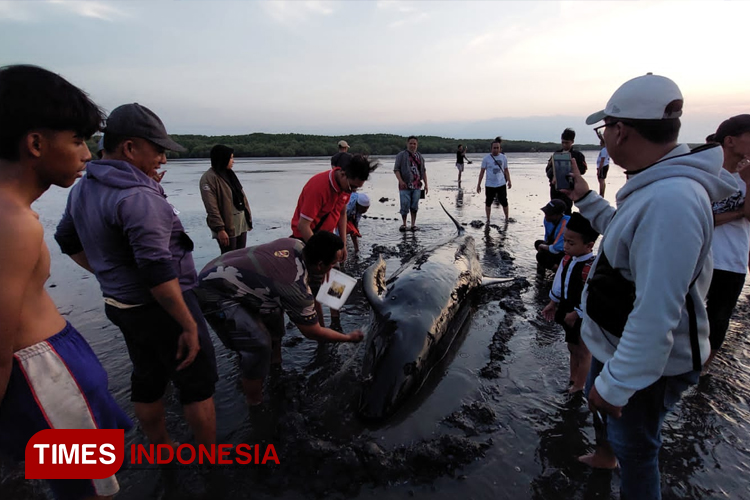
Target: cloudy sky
[523, 70]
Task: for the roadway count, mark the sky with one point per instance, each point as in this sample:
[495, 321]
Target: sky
[469, 69]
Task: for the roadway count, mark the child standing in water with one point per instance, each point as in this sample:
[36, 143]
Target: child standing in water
[565, 308]
[565, 297]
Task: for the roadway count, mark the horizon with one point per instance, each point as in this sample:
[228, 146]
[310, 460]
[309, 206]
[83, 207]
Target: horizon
[471, 69]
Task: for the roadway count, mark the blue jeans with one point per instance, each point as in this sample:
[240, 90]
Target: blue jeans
[409, 200]
[635, 437]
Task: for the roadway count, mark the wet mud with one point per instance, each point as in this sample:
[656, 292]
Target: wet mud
[492, 421]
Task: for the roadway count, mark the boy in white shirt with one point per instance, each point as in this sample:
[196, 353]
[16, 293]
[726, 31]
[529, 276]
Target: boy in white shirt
[565, 297]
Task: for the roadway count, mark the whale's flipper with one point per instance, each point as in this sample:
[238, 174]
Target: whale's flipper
[486, 280]
[458, 226]
[373, 284]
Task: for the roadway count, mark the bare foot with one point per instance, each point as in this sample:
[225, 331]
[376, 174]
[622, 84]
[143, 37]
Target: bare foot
[599, 460]
[575, 388]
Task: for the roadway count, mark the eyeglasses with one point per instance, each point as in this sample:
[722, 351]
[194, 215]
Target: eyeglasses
[610, 124]
[348, 187]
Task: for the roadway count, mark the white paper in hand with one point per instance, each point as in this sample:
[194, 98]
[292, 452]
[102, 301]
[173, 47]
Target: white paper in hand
[334, 292]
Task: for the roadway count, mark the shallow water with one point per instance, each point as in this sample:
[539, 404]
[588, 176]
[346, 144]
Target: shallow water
[507, 361]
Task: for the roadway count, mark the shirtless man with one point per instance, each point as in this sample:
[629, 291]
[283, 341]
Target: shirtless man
[49, 376]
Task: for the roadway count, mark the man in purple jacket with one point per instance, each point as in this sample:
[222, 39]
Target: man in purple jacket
[119, 225]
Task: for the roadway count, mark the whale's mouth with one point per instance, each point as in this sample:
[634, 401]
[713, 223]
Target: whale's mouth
[378, 402]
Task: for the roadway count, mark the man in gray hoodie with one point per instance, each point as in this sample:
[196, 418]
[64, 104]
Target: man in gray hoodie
[645, 321]
[119, 225]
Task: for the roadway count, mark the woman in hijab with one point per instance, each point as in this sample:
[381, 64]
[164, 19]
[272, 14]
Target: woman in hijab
[228, 214]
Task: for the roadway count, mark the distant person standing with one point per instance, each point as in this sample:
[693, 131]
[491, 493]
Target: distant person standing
[411, 173]
[498, 182]
[460, 157]
[731, 243]
[602, 166]
[227, 209]
[343, 157]
[568, 137]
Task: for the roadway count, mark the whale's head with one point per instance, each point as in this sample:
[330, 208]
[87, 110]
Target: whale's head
[390, 368]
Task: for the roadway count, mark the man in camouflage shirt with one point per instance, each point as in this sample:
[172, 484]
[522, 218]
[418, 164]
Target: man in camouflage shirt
[244, 294]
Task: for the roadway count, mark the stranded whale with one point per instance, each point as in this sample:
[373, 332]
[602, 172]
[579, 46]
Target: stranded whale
[416, 316]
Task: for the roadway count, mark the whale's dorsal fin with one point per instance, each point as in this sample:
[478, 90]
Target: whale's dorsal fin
[486, 280]
[458, 226]
[373, 284]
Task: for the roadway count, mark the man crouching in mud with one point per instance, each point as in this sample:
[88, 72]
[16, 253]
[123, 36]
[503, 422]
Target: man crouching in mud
[645, 322]
[244, 294]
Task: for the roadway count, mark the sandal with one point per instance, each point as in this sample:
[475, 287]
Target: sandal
[402, 228]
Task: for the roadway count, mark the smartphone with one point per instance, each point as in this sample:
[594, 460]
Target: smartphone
[562, 170]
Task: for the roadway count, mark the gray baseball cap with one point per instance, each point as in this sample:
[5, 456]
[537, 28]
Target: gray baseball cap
[134, 120]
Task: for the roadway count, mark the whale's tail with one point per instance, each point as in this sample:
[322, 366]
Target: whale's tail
[458, 226]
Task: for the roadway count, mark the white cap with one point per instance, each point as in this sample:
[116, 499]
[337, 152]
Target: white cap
[343, 144]
[363, 199]
[647, 97]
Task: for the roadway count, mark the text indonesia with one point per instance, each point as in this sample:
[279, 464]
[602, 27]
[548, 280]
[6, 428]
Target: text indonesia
[99, 453]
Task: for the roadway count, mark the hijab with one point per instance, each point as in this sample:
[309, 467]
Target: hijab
[220, 156]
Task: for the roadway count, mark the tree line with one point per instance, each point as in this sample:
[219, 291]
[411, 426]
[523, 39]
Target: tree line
[289, 145]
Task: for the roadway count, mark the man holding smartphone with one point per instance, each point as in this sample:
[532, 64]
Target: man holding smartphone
[567, 139]
[638, 375]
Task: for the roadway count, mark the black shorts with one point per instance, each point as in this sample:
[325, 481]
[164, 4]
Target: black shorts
[721, 299]
[500, 193]
[545, 258]
[573, 333]
[601, 173]
[151, 336]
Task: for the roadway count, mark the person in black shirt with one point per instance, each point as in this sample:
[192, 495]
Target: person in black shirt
[568, 137]
[460, 157]
[343, 157]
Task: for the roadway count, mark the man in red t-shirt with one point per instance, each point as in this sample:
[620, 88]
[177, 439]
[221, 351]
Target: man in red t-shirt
[322, 207]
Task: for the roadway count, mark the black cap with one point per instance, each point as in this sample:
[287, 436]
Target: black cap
[736, 125]
[554, 207]
[134, 120]
[581, 225]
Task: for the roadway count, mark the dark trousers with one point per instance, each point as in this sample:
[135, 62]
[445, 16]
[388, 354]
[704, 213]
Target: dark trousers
[635, 437]
[152, 337]
[545, 258]
[234, 243]
[722, 296]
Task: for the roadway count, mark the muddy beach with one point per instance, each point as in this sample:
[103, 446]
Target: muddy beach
[492, 421]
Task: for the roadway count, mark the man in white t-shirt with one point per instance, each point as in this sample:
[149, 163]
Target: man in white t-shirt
[602, 167]
[495, 165]
[731, 242]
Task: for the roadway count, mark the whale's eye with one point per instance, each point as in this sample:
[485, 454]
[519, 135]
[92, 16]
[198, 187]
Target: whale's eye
[410, 368]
